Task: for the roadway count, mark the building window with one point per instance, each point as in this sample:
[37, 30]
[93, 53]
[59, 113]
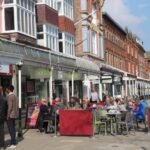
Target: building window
[26, 20]
[61, 46]
[94, 15]
[20, 17]
[128, 49]
[51, 3]
[9, 18]
[106, 57]
[65, 8]
[93, 43]
[85, 39]
[40, 36]
[66, 44]
[69, 44]
[8, 1]
[48, 36]
[102, 49]
[83, 4]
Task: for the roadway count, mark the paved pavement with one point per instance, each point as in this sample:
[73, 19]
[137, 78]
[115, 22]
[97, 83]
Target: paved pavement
[34, 140]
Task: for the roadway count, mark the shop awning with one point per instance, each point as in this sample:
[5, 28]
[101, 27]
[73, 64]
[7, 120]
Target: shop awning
[63, 62]
[86, 66]
[29, 55]
[6, 59]
[107, 70]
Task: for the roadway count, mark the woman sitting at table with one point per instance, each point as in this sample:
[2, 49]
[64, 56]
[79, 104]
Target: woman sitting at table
[117, 102]
[107, 100]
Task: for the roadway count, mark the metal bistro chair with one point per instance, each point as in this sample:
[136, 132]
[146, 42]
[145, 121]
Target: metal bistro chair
[128, 123]
[100, 120]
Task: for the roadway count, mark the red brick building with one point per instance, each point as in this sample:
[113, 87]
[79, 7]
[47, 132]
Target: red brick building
[115, 43]
[88, 30]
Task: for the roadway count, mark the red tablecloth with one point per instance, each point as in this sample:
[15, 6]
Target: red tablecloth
[75, 122]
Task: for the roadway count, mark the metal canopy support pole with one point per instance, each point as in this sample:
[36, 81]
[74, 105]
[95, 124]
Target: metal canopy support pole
[113, 87]
[51, 85]
[122, 89]
[20, 104]
[144, 89]
[88, 89]
[140, 88]
[126, 88]
[135, 87]
[100, 88]
[129, 87]
[73, 83]
[67, 86]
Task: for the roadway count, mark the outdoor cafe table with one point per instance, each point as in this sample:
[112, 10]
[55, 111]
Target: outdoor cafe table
[113, 120]
[75, 122]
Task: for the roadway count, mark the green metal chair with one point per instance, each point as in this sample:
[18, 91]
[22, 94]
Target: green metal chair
[100, 120]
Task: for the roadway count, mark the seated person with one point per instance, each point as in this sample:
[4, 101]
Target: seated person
[73, 104]
[85, 103]
[107, 101]
[44, 113]
[117, 102]
[122, 107]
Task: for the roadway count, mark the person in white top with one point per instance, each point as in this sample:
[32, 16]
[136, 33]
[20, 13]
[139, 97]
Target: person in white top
[94, 96]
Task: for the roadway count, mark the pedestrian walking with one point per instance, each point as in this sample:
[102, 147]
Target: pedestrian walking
[2, 118]
[12, 102]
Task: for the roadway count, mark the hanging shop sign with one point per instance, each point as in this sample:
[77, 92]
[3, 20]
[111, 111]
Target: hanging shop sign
[68, 76]
[4, 69]
[39, 73]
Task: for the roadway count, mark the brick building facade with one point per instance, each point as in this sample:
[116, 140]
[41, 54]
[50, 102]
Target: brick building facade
[88, 30]
[115, 43]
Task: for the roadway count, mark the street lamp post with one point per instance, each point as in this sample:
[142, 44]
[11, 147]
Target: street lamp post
[19, 65]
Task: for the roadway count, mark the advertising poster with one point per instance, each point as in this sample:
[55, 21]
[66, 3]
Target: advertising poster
[32, 115]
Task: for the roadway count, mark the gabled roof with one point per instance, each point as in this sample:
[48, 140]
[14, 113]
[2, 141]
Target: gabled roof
[113, 22]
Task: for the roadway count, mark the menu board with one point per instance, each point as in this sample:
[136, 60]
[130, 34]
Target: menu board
[33, 111]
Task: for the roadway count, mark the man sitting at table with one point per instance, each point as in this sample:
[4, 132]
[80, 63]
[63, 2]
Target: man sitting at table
[73, 104]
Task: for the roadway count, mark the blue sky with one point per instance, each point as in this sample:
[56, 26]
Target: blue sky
[135, 14]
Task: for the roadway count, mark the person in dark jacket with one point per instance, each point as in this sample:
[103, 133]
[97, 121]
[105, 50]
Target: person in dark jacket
[44, 112]
[3, 111]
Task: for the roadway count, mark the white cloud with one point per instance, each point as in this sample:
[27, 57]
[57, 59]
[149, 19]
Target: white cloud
[121, 13]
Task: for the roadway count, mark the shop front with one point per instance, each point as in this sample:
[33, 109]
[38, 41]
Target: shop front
[90, 73]
[112, 80]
